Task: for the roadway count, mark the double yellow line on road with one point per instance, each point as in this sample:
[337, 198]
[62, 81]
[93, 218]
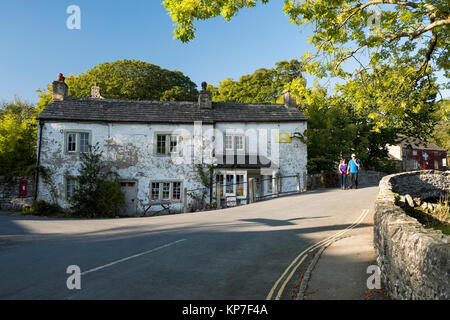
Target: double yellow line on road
[302, 256]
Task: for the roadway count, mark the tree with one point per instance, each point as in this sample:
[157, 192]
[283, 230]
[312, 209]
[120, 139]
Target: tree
[441, 133]
[336, 128]
[18, 131]
[393, 99]
[98, 192]
[128, 80]
[262, 86]
[413, 30]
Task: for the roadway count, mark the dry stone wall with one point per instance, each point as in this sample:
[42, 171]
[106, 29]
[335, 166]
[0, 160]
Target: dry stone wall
[414, 261]
[10, 198]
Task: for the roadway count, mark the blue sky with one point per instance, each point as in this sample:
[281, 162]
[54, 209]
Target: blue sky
[36, 45]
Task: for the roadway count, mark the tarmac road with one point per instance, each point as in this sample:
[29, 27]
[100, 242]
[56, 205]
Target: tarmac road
[246, 252]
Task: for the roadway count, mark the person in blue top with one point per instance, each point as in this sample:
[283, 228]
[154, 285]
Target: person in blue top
[354, 166]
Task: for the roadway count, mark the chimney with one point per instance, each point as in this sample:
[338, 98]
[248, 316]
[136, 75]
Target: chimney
[204, 98]
[60, 88]
[288, 100]
[95, 92]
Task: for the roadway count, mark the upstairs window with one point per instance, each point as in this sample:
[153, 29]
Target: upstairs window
[167, 144]
[234, 143]
[77, 142]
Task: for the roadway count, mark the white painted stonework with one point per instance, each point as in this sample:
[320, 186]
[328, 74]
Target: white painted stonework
[131, 147]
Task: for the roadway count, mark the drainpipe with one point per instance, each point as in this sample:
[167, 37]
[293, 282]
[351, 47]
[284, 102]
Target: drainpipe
[38, 162]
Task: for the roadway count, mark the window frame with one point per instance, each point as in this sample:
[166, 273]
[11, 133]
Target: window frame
[77, 141]
[66, 186]
[169, 138]
[233, 137]
[161, 198]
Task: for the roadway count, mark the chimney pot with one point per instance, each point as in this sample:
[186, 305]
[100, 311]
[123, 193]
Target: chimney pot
[95, 92]
[60, 88]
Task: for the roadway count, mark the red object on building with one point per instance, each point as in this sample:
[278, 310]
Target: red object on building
[23, 188]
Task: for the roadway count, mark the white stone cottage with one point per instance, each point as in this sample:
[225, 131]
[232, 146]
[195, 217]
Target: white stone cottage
[155, 147]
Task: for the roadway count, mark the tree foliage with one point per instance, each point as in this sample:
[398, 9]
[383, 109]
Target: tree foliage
[337, 128]
[441, 133]
[128, 80]
[384, 29]
[18, 130]
[98, 192]
[262, 86]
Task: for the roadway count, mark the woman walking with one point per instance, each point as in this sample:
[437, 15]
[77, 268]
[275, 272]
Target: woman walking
[343, 172]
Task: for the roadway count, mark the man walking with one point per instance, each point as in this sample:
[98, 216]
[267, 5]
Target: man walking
[354, 166]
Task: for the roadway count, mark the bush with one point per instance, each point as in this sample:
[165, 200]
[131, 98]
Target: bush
[109, 198]
[98, 194]
[43, 208]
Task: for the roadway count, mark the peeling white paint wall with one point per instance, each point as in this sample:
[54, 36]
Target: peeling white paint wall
[131, 148]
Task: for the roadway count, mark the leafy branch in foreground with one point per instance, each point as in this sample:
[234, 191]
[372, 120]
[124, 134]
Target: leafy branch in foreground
[380, 30]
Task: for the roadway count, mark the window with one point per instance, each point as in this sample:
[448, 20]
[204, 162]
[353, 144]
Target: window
[444, 162]
[269, 184]
[77, 142]
[72, 142]
[155, 191]
[228, 142]
[70, 187]
[232, 183]
[176, 194]
[240, 185]
[166, 191]
[84, 142]
[414, 152]
[167, 144]
[238, 142]
[219, 180]
[229, 187]
[234, 142]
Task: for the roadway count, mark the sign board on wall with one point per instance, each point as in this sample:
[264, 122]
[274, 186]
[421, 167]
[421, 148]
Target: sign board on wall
[284, 137]
[231, 201]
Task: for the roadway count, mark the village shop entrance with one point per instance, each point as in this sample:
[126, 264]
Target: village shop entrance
[234, 185]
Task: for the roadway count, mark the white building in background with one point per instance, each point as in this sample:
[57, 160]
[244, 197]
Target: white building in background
[155, 146]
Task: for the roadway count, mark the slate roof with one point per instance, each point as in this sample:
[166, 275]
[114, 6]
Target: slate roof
[113, 110]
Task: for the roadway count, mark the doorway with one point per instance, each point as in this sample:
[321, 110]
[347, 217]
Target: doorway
[129, 189]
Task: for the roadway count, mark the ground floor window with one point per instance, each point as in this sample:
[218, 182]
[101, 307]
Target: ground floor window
[71, 184]
[232, 183]
[269, 182]
[165, 191]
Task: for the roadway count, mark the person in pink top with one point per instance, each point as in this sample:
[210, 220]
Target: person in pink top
[343, 172]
